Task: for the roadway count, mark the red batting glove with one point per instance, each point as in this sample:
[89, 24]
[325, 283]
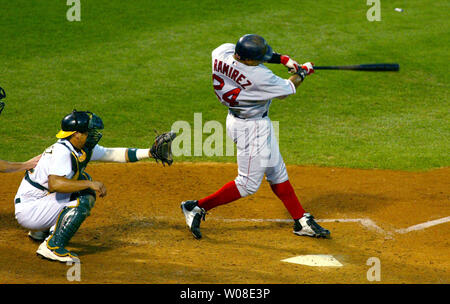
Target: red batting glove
[291, 64]
[308, 67]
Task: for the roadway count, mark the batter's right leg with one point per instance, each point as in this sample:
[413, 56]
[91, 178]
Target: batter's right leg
[250, 172]
[194, 214]
[195, 210]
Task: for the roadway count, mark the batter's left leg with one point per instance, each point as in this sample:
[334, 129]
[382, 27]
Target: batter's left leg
[278, 178]
[285, 192]
[304, 223]
[281, 186]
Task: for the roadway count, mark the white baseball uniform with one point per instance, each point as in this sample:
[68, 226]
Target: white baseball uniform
[248, 91]
[35, 207]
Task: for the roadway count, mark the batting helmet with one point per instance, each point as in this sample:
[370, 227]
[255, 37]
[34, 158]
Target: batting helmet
[253, 47]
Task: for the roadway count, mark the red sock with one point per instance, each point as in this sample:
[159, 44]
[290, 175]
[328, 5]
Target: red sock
[286, 194]
[228, 193]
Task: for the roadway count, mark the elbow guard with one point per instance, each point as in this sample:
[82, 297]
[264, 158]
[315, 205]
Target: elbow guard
[276, 58]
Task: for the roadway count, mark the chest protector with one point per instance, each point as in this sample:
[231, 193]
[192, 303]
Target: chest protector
[79, 163]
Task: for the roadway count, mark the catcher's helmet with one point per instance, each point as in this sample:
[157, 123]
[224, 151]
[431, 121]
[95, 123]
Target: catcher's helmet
[79, 121]
[253, 47]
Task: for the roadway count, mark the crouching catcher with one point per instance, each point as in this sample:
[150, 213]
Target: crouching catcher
[55, 198]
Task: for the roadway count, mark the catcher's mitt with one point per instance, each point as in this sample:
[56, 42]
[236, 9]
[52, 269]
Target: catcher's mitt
[162, 147]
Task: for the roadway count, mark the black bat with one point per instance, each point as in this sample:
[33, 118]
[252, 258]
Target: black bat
[373, 67]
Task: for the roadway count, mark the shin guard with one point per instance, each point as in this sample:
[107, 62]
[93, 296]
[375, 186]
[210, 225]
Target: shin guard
[68, 222]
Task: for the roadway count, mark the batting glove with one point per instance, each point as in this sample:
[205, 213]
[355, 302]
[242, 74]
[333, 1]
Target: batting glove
[309, 67]
[291, 64]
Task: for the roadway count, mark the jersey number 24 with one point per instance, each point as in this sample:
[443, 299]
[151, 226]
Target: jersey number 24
[230, 96]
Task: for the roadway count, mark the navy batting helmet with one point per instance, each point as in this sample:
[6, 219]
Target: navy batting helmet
[253, 47]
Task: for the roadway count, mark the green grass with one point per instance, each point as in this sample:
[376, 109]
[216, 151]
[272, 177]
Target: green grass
[142, 65]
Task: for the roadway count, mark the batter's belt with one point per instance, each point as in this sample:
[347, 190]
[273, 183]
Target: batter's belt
[249, 118]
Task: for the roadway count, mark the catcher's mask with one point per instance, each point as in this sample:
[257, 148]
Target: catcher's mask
[2, 95]
[82, 121]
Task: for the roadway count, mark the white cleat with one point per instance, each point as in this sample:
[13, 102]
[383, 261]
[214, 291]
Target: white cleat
[59, 254]
[308, 226]
[194, 215]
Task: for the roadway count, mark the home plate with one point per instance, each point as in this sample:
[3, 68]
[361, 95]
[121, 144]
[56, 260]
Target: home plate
[314, 260]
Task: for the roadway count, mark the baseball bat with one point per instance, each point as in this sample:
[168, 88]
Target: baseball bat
[373, 67]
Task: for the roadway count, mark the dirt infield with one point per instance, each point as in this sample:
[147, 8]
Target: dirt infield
[137, 234]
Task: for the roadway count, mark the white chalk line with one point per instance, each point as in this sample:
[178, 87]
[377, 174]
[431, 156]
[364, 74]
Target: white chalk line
[365, 222]
[368, 223]
[424, 225]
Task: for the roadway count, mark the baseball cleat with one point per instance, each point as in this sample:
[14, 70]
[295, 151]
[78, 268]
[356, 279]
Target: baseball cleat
[194, 214]
[38, 235]
[308, 226]
[57, 254]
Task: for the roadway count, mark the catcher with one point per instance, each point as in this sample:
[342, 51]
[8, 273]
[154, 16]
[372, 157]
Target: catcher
[55, 198]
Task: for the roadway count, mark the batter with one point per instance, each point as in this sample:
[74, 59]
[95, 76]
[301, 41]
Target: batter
[247, 87]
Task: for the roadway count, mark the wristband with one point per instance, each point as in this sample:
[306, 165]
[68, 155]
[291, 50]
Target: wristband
[131, 155]
[302, 73]
[134, 155]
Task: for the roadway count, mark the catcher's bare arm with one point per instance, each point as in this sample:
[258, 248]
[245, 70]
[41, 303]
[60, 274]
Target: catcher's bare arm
[64, 185]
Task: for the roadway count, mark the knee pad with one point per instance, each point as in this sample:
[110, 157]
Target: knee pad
[87, 202]
[85, 192]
